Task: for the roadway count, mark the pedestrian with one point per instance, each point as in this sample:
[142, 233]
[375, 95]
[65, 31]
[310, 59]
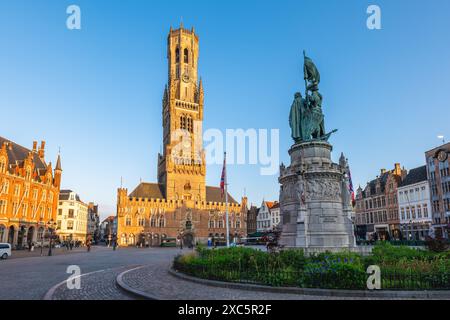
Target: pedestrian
[32, 246]
[88, 245]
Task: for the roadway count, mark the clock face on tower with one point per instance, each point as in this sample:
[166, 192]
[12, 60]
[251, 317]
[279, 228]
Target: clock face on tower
[185, 77]
[442, 156]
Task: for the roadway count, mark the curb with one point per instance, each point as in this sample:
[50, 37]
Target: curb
[122, 285]
[444, 294]
[51, 291]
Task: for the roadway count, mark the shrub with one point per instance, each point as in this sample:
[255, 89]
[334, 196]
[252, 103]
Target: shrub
[401, 267]
[437, 245]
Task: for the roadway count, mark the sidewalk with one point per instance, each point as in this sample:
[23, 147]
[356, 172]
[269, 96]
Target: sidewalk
[17, 254]
[155, 282]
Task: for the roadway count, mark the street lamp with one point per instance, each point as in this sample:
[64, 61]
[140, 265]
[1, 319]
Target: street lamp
[51, 226]
[42, 236]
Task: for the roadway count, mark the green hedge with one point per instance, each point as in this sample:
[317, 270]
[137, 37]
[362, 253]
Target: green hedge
[401, 267]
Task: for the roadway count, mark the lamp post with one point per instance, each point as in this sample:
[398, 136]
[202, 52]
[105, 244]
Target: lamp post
[51, 226]
[42, 236]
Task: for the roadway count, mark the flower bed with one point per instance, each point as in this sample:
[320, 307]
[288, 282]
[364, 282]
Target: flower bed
[402, 268]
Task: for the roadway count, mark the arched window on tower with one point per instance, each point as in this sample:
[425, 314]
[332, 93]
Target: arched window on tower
[190, 124]
[177, 55]
[183, 122]
[186, 55]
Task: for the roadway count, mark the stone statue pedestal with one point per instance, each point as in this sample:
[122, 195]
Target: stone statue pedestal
[315, 202]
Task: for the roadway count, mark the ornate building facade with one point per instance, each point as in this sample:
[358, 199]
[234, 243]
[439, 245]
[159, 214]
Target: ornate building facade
[29, 191]
[180, 204]
[438, 170]
[377, 210]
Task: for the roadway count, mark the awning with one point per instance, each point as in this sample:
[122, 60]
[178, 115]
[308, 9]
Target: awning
[255, 235]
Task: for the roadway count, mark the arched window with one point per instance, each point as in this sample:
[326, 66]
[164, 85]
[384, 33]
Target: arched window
[153, 222]
[177, 55]
[141, 222]
[128, 221]
[186, 55]
[190, 126]
[40, 234]
[131, 239]
[2, 233]
[211, 224]
[220, 223]
[162, 222]
[238, 223]
[183, 124]
[123, 238]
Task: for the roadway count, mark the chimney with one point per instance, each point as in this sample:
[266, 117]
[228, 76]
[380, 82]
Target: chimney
[34, 146]
[41, 150]
[383, 171]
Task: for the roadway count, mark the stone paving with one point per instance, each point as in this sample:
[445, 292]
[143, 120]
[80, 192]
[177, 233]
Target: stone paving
[37, 252]
[95, 286]
[156, 281]
[32, 277]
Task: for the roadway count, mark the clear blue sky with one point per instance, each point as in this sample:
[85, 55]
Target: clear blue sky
[97, 92]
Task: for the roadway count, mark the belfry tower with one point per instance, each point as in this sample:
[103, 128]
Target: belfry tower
[181, 167]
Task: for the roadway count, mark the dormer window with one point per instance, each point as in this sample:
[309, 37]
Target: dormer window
[2, 165]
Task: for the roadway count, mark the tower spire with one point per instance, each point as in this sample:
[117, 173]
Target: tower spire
[58, 163]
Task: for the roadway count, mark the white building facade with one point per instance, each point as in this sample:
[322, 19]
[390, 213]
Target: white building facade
[414, 203]
[72, 217]
[268, 216]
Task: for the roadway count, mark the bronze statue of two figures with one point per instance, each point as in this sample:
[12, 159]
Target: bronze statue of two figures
[306, 118]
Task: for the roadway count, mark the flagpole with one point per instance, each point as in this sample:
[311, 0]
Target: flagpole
[226, 202]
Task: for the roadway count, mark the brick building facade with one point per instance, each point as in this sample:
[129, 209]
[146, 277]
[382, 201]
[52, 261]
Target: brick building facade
[438, 163]
[29, 191]
[376, 213]
[180, 204]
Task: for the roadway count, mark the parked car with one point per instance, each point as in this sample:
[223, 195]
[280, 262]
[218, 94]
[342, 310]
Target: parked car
[5, 250]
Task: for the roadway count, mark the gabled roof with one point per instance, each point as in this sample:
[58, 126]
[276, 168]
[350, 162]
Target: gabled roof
[147, 190]
[17, 155]
[65, 194]
[270, 204]
[414, 176]
[109, 219]
[276, 205]
[214, 194]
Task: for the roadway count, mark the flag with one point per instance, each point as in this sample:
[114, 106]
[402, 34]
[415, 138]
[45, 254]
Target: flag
[350, 186]
[224, 175]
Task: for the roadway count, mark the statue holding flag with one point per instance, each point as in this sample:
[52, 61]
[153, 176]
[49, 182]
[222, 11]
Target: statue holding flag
[306, 118]
[316, 194]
